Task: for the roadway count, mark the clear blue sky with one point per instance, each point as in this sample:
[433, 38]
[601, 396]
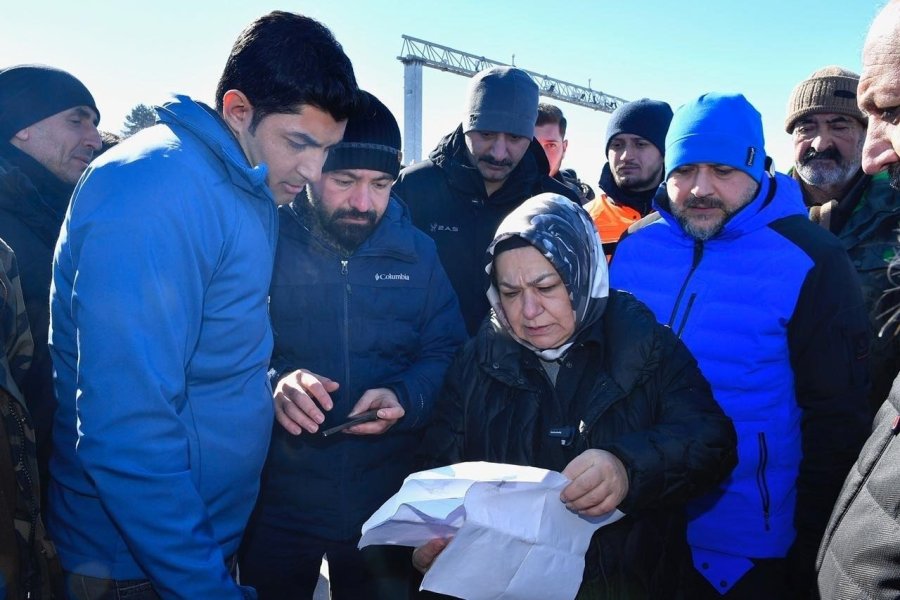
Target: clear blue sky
[132, 52]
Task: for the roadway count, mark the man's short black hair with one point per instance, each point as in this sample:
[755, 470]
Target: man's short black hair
[282, 61]
[549, 114]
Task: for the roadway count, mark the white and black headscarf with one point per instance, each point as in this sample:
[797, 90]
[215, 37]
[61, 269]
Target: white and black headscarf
[565, 235]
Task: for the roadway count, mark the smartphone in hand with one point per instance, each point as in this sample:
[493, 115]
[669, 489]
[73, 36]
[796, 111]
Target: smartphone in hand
[364, 417]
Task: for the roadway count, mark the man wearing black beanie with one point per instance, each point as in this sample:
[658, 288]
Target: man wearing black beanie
[48, 135]
[365, 319]
[635, 148]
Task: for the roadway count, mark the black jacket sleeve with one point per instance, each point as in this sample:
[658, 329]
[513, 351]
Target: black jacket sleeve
[828, 340]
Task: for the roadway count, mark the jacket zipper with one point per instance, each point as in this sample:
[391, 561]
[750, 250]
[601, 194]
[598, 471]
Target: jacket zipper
[345, 384]
[698, 256]
[344, 271]
[687, 312]
[761, 482]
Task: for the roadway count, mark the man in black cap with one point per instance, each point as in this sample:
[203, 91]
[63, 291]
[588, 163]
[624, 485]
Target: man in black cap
[365, 319]
[48, 135]
[635, 148]
[476, 176]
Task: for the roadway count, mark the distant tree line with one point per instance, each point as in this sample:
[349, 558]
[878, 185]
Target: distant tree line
[141, 116]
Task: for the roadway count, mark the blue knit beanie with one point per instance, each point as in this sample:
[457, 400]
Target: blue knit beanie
[31, 93]
[717, 128]
[645, 117]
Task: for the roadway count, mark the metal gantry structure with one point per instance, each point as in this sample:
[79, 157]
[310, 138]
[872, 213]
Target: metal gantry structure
[417, 53]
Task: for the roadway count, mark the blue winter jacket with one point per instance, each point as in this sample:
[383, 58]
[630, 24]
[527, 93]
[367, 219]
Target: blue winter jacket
[772, 310]
[161, 342]
[386, 316]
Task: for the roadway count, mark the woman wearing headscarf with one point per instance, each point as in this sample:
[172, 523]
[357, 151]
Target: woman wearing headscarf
[571, 376]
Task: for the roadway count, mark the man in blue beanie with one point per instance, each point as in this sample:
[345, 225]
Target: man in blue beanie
[768, 303]
[48, 135]
[635, 146]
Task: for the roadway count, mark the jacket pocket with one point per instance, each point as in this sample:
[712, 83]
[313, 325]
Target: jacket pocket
[761, 483]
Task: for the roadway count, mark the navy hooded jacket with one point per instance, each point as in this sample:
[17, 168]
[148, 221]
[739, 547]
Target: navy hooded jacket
[384, 317]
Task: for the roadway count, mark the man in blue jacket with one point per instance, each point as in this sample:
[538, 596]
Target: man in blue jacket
[365, 319]
[769, 304]
[160, 334]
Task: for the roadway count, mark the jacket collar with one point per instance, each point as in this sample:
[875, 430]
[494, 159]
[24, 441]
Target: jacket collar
[452, 157]
[639, 201]
[32, 193]
[778, 197]
[392, 237]
[626, 334]
[207, 126]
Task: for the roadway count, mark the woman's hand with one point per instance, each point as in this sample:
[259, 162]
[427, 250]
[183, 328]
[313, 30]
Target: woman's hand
[424, 555]
[599, 483]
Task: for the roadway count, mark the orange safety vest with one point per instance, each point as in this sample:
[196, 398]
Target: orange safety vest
[611, 220]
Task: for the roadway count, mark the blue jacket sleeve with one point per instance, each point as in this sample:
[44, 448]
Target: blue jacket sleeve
[137, 303]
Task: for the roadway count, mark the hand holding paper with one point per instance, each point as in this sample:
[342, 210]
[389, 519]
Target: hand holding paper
[513, 537]
[599, 483]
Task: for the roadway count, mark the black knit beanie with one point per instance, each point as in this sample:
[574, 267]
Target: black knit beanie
[31, 93]
[371, 140]
[645, 117]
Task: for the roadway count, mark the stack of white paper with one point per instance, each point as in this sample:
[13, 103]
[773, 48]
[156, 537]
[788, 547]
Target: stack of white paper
[512, 536]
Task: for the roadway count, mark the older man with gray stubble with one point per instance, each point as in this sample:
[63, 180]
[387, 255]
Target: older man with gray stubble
[862, 210]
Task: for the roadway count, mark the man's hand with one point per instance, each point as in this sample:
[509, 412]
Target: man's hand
[599, 483]
[296, 397]
[423, 556]
[389, 411]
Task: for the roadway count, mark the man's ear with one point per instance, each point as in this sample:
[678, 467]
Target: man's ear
[20, 139]
[237, 110]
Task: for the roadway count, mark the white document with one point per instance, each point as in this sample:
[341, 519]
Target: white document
[512, 536]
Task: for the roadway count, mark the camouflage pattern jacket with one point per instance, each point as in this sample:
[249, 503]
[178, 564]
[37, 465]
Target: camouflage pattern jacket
[28, 565]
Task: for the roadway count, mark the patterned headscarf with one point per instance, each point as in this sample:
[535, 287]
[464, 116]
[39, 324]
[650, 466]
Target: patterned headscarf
[565, 235]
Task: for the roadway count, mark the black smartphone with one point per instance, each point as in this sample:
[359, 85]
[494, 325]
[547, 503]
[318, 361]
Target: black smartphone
[365, 417]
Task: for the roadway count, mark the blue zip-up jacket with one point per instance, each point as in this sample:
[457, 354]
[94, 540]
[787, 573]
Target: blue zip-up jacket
[161, 342]
[384, 317]
[772, 310]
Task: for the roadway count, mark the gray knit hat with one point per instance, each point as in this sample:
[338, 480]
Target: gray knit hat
[502, 99]
[831, 90]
